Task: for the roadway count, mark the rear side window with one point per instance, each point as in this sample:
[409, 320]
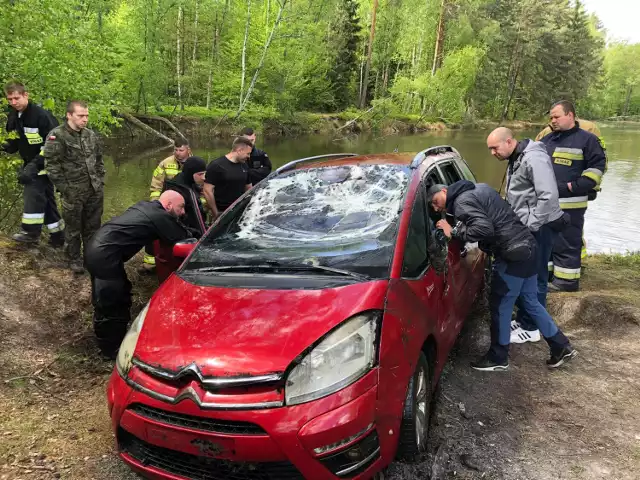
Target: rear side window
[465, 170]
[416, 258]
[449, 172]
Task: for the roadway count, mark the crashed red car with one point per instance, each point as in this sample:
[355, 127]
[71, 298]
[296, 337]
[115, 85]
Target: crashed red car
[304, 334]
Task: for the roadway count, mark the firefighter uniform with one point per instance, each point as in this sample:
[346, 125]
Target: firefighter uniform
[579, 159]
[166, 170]
[75, 164]
[115, 243]
[32, 126]
[259, 165]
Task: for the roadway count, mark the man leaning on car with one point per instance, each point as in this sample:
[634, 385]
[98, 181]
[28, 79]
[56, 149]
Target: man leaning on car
[483, 216]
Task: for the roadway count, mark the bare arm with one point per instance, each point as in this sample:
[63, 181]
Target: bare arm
[208, 191]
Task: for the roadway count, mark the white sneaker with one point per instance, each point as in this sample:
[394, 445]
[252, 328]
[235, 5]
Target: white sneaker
[514, 326]
[523, 336]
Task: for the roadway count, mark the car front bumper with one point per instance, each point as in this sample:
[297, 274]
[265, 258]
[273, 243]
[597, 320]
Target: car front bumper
[336, 437]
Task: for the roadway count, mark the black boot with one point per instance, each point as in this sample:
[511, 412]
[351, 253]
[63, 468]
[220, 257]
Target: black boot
[26, 237]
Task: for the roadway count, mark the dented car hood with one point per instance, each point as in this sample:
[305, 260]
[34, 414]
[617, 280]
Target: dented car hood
[236, 332]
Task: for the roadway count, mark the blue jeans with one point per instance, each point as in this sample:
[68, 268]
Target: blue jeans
[505, 290]
[545, 238]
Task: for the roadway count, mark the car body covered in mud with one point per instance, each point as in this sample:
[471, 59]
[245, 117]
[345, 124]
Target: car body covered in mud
[304, 334]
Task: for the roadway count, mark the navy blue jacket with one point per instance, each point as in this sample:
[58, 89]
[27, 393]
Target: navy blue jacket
[32, 128]
[259, 165]
[578, 158]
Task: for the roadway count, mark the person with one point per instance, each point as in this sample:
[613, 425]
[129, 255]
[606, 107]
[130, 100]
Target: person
[533, 195]
[73, 155]
[116, 242]
[189, 184]
[166, 170]
[579, 162]
[227, 177]
[482, 216]
[259, 163]
[32, 124]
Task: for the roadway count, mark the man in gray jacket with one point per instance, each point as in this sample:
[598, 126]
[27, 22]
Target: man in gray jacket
[532, 192]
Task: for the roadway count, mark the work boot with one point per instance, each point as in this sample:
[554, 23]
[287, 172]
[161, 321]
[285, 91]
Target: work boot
[26, 237]
[555, 288]
[76, 266]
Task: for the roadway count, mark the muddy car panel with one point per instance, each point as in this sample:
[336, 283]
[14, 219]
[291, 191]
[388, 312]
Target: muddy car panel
[205, 394]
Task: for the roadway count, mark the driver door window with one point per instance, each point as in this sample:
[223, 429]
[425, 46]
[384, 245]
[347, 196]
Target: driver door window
[449, 173]
[416, 258]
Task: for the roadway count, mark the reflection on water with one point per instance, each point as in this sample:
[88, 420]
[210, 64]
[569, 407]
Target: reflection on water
[610, 224]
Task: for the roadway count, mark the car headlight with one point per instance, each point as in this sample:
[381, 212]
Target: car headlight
[340, 359]
[128, 346]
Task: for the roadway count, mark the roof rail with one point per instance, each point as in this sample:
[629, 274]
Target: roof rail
[422, 156]
[294, 163]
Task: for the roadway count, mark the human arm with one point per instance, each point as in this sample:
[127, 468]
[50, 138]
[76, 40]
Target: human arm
[100, 158]
[208, 191]
[472, 223]
[595, 160]
[53, 153]
[46, 123]
[539, 171]
[157, 182]
[261, 172]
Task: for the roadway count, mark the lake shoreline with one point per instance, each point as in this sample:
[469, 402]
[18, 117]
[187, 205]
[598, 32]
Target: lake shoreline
[271, 126]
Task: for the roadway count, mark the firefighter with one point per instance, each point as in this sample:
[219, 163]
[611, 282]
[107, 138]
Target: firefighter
[32, 124]
[115, 243]
[166, 170]
[589, 127]
[73, 154]
[579, 162]
[259, 163]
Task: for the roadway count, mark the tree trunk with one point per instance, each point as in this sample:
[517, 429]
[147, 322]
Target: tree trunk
[265, 49]
[512, 87]
[627, 101]
[179, 56]
[372, 34]
[143, 126]
[244, 54]
[212, 55]
[195, 34]
[437, 54]
[364, 52]
[166, 121]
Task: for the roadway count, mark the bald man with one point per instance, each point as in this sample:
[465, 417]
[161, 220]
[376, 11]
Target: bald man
[115, 243]
[532, 192]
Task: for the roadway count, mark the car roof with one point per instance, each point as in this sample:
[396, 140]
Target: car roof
[412, 160]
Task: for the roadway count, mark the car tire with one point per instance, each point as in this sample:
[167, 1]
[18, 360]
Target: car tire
[414, 429]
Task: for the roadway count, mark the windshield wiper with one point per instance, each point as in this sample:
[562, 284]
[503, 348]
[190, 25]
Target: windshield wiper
[273, 265]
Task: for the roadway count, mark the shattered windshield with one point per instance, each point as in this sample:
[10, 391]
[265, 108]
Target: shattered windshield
[342, 217]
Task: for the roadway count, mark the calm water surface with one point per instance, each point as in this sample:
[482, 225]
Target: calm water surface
[611, 224]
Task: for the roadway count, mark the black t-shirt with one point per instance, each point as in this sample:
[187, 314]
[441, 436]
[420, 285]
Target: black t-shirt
[229, 180]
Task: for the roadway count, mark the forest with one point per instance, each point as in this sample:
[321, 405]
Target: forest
[447, 60]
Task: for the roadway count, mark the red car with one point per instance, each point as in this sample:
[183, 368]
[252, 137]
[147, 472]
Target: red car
[303, 335]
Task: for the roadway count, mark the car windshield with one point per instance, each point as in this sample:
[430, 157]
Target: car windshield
[344, 218]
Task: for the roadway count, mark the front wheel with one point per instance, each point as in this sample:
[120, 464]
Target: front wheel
[414, 429]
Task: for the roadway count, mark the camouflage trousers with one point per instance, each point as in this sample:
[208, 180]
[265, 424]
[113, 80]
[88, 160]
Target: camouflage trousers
[82, 214]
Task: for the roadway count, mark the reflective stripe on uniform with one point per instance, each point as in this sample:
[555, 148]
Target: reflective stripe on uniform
[154, 195]
[149, 259]
[550, 266]
[33, 218]
[42, 172]
[566, 273]
[583, 252]
[594, 174]
[171, 172]
[574, 202]
[33, 138]
[568, 153]
[55, 227]
[158, 171]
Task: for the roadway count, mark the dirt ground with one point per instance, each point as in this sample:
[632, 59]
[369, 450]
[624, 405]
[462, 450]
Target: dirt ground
[581, 422]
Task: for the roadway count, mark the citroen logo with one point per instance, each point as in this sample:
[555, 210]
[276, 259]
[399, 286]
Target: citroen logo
[188, 393]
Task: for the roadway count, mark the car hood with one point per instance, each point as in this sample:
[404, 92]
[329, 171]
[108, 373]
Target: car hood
[232, 332]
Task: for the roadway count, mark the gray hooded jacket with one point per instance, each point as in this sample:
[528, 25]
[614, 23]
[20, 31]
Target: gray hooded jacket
[532, 190]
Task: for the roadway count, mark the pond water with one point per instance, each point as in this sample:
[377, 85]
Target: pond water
[611, 222]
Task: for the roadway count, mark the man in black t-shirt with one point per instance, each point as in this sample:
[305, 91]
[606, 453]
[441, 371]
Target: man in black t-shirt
[227, 177]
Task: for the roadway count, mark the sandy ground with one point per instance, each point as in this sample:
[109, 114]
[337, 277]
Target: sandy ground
[581, 422]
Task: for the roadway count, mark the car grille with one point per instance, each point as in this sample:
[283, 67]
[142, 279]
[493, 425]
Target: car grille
[197, 423]
[202, 468]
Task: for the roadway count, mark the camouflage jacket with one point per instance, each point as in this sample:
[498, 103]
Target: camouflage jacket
[166, 170]
[74, 159]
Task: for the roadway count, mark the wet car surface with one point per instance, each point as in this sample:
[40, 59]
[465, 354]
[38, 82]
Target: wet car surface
[304, 334]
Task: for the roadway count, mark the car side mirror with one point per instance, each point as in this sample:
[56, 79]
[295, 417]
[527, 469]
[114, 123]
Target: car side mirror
[184, 248]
